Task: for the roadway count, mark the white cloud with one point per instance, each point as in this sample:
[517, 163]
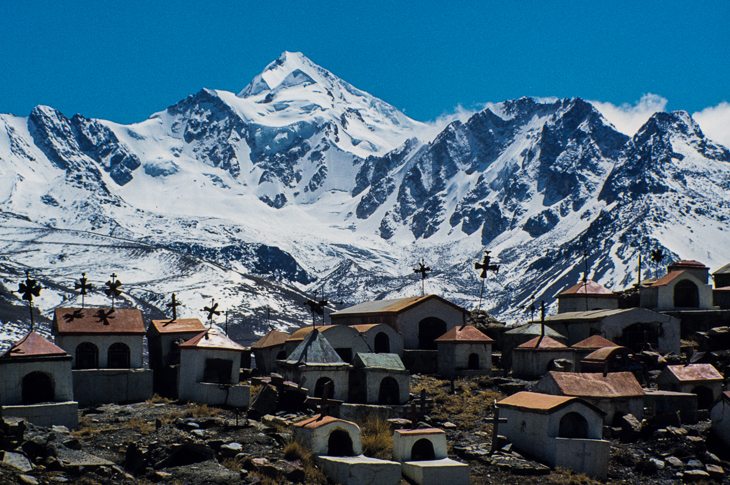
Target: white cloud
[715, 122]
[629, 118]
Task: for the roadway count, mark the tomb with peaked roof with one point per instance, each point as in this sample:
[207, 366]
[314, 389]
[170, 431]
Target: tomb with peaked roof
[617, 394]
[684, 287]
[210, 369]
[521, 334]
[346, 340]
[379, 379]
[563, 431]
[36, 383]
[268, 349]
[106, 346]
[422, 454]
[720, 416]
[163, 340]
[587, 346]
[537, 356]
[587, 295]
[464, 351]
[313, 364]
[701, 379]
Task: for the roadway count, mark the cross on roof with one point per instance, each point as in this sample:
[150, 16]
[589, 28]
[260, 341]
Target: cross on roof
[485, 266]
[85, 287]
[29, 289]
[174, 304]
[212, 310]
[112, 289]
[423, 270]
[657, 255]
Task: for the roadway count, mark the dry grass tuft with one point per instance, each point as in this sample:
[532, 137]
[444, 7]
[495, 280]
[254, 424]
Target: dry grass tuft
[377, 438]
[297, 451]
[157, 399]
[140, 425]
[232, 464]
[200, 410]
[566, 476]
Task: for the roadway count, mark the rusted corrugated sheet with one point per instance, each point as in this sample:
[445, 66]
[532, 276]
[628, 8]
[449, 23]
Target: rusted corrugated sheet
[318, 420]
[667, 278]
[91, 321]
[542, 343]
[593, 342]
[33, 345]
[181, 325]
[273, 338]
[421, 432]
[590, 288]
[695, 372]
[468, 334]
[612, 385]
[607, 352]
[212, 339]
[687, 264]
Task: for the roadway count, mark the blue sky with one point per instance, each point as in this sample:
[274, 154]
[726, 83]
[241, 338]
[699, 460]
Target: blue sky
[122, 61]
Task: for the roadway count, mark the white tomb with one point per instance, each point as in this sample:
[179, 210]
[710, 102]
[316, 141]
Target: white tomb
[422, 453]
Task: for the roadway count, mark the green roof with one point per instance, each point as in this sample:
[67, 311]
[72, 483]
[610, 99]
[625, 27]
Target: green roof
[380, 361]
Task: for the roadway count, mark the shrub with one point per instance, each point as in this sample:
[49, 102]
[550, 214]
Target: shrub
[377, 438]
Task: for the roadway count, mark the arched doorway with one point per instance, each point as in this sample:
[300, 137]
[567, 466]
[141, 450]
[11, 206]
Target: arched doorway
[429, 329]
[422, 450]
[389, 391]
[118, 356]
[573, 425]
[37, 388]
[319, 387]
[705, 399]
[473, 363]
[686, 295]
[87, 356]
[339, 444]
[638, 336]
[382, 343]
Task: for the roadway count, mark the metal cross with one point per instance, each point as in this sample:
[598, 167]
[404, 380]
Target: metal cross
[174, 304]
[29, 289]
[212, 310]
[112, 290]
[85, 288]
[495, 420]
[423, 270]
[485, 266]
[657, 255]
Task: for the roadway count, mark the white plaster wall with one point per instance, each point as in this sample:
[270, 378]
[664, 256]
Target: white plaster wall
[192, 369]
[344, 337]
[589, 456]
[668, 327]
[453, 357]
[217, 395]
[317, 439]
[665, 294]
[167, 340]
[373, 378]
[55, 414]
[407, 323]
[102, 386]
[527, 363]
[339, 374]
[103, 342]
[395, 339]
[12, 374]
[715, 387]
[266, 358]
[403, 441]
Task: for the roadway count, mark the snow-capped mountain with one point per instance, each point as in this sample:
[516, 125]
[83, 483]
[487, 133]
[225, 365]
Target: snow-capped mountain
[303, 182]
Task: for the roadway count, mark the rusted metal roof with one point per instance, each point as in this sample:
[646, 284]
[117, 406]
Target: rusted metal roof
[542, 343]
[366, 327]
[212, 339]
[612, 385]
[273, 338]
[668, 278]
[542, 403]
[590, 288]
[421, 431]
[605, 353]
[33, 345]
[468, 334]
[314, 349]
[595, 315]
[593, 342]
[695, 372]
[687, 264]
[534, 329]
[318, 420]
[390, 306]
[181, 325]
[97, 321]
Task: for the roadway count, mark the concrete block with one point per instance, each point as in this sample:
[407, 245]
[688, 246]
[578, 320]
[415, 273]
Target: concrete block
[404, 442]
[360, 470]
[48, 414]
[103, 386]
[436, 472]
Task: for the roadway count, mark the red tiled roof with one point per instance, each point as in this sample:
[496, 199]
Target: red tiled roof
[273, 338]
[695, 372]
[687, 264]
[318, 420]
[590, 288]
[468, 334]
[420, 431]
[606, 352]
[593, 342]
[612, 385]
[33, 345]
[181, 325]
[542, 403]
[98, 321]
[212, 339]
[667, 278]
[542, 343]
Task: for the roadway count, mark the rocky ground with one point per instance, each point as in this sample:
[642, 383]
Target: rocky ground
[173, 443]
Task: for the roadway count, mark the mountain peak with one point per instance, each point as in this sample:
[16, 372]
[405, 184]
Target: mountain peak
[290, 69]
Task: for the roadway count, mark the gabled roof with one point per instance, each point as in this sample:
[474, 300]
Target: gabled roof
[181, 325]
[724, 270]
[314, 349]
[590, 288]
[212, 339]
[595, 315]
[379, 361]
[33, 345]
[467, 335]
[593, 342]
[323, 329]
[668, 278]
[273, 338]
[97, 321]
[391, 307]
[318, 420]
[606, 352]
[542, 343]
[543, 403]
[366, 327]
[534, 329]
[695, 372]
[686, 264]
[612, 385]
